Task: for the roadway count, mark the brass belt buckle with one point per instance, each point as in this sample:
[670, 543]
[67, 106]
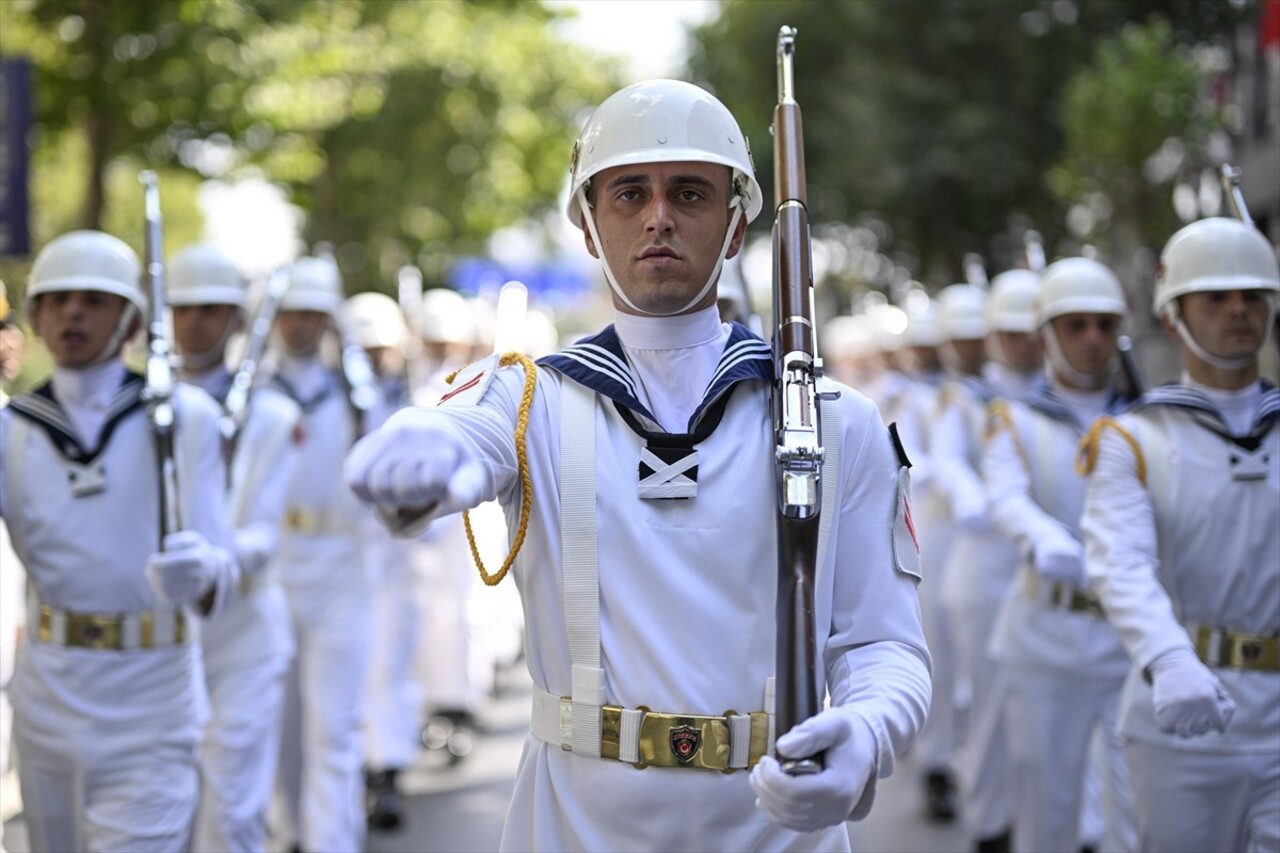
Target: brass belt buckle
[94, 631]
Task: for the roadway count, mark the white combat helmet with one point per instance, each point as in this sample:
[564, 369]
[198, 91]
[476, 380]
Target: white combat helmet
[1078, 286]
[202, 274]
[662, 121]
[88, 260]
[1011, 304]
[314, 285]
[377, 321]
[961, 314]
[890, 327]
[446, 317]
[924, 325]
[1214, 254]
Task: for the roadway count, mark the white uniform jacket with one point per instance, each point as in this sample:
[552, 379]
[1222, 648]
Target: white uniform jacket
[87, 554]
[687, 592]
[1181, 531]
[1036, 499]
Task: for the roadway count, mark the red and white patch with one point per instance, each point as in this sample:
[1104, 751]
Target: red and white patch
[471, 383]
[906, 544]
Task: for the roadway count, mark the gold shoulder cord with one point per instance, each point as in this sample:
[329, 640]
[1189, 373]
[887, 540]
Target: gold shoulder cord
[522, 462]
[1000, 416]
[1087, 454]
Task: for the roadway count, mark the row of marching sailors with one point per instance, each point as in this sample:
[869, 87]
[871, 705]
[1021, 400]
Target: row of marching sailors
[166, 688]
[1102, 591]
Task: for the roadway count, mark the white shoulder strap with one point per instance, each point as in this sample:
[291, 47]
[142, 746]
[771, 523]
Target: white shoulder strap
[579, 560]
[831, 472]
[15, 475]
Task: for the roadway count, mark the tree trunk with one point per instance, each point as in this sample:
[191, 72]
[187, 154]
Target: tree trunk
[98, 122]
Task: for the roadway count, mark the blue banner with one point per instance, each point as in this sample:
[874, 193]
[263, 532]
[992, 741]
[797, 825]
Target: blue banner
[15, 130]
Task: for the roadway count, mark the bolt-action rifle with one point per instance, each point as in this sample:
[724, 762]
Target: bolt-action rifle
[798, 455]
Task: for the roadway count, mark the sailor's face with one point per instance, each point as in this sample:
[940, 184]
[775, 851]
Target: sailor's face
[1088, 341]
[201, 328]
[301, 330]
[968, 355]
[76, 325]
[1228, 323]
[661, 227]
[1020, 350]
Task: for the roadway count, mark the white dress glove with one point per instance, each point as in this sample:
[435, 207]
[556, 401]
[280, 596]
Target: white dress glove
[810, 803]
[1189, 700]
[415, 462]
[1061, 561]
[187, 567]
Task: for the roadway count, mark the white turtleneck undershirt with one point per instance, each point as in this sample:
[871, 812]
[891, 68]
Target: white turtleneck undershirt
[1238, 408]
[211, 381]
[1011, 383]
[673, 358]
[85, 394]
[1087, 405]
[308, 375]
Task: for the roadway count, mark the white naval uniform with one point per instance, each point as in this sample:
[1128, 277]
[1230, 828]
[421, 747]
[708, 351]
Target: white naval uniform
[393, 713]
[247, 647]
[13, 578]
[107, 738]
[322, 568]
[978, 565]
[1194, 546]
[687, 587]
[1063, 667]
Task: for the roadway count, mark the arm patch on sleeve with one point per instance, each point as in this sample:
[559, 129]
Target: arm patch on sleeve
[468, 386]
[906, 543]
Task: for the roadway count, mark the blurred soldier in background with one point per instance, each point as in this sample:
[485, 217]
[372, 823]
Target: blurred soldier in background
[1184, 550]
[982, 560]
[1063, 663]
[677, 619]
[108, 693]
[394, 700]
[246, 647]
[322, 567]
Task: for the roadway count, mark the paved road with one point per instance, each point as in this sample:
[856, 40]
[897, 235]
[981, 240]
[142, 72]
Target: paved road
[459, 810]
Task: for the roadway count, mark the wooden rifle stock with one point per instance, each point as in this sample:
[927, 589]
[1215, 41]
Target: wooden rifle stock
[158, 392]
[798, 455]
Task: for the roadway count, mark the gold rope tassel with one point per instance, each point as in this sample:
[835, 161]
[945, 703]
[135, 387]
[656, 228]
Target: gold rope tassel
[1087, 453]
[522, 462]
[1000, 417]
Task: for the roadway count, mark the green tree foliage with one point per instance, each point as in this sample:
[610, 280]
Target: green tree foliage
[943, 117]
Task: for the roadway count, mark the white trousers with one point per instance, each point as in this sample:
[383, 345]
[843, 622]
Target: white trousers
[242, 740]
[1051, 719]
[1206, 802]
[983, 765]
[448, 578]
[321, 761]
[83, 790]
[393, 718]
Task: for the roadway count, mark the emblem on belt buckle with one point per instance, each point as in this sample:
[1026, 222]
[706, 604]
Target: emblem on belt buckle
[1251, 651]
[685, 742]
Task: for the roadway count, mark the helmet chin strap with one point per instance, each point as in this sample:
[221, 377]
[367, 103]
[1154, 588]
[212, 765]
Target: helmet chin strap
[198, 362]
[587, 215]
[1059, 364]
[113, 345]
[1175, 316]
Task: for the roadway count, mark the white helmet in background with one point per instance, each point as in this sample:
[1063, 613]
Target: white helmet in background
[1011, 304]
[924, 325]
[1214, 254]
[890, 328]
[377, 321]
[203, 275]
[314, 285]
[1078, 286]
[662, 121]
[88, 260]
[446, 317]
[961, 312]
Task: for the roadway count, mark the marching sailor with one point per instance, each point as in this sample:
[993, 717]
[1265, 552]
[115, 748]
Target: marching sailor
[1184, 551]
[322, 567]
[636, 468]
[108, 694]
[247, 647]
[1063, 663]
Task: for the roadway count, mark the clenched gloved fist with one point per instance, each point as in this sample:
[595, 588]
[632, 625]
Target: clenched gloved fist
[417, 461]
[1061, 561]
[810, 803]
[185, 570]
[1189, 700]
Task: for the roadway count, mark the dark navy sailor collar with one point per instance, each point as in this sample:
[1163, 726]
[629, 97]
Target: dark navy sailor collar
[1041, 398]
[1205, 413]
[42, 408]
[599, 363]
[309, 404]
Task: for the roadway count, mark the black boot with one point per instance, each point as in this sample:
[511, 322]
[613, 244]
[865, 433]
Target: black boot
[383, 803]
[940, 796]
[1001, 843]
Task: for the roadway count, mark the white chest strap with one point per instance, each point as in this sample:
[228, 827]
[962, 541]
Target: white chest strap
[15, 475]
